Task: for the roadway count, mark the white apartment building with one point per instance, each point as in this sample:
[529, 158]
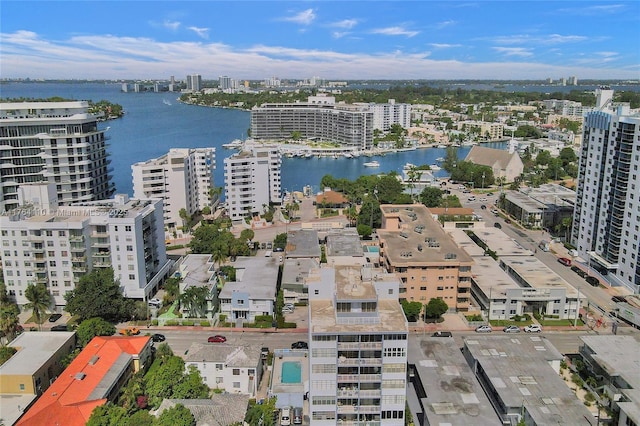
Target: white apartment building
[606, 220]
[252, 180]
[58, 247]
[386, 115]
[56, 142]
[183, 178]
[357, 347]
[194, 83]
[488, 130]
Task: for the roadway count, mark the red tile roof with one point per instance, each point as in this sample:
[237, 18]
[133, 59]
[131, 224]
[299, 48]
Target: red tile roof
[67, 402]
[331, 197]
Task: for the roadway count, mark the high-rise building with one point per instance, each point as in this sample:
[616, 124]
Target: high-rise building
[55, 142]
[252, 180]
[58, 247]
[183, 178]
[225, 82]
[320, 117]
[194, 82]
[606, 218]
[357, 347]
[386, 115]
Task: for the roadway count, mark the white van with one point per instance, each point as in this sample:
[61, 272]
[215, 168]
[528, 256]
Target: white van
[268, 253]
[285, 417]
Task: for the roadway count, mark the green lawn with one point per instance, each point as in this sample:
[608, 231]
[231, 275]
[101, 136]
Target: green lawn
[559, 322]
[504, 323]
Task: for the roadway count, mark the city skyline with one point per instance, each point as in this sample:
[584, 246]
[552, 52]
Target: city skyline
[330, 39]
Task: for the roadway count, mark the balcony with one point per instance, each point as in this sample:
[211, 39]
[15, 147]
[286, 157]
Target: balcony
[350, 378]
[100, 264]
[76, 238]
[359, 345]
[79, 269]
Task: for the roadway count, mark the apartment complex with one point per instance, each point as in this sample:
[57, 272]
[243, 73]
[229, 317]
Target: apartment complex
[55, 142]
[386, 115]
[428, 262]
[252, 180]
[606, 221]
[320, 118]
[183, 178]
[194, 82]
[357, 347]
[58, 247]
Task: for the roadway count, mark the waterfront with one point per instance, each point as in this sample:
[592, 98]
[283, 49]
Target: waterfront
[155, 122]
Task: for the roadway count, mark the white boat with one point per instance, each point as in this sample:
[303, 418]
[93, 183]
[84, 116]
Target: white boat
[408, 166]
[440, 159]
[372, 164]
[166, 102]
[308, 155]
[441, 146]
[236, 143]
[435, 167]
[347, 155]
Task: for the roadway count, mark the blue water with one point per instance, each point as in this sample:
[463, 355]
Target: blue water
[156, 122]
[291, 372]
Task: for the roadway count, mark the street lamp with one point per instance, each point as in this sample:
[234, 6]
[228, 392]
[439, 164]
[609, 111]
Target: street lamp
[482, 180]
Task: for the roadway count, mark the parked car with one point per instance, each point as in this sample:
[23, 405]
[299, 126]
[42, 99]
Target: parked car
[217, 339]
[507, 220]
[130, 331]
[511, 329]
[618, 299]
[442, 334]
[158, 337]
[55, 317]
[264, 351]
[533, 328]
[489, 194]
[285, 416]
[299, 345]
[484, 329]
[483, 207]
[593, 281]
[60, 327]
[565, 261]
[297, 416]
[497, 225]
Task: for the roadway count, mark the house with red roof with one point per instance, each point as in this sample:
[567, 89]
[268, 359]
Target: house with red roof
[94, 377]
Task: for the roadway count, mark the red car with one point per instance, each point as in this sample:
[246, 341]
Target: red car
[217, 339]
[565, 261]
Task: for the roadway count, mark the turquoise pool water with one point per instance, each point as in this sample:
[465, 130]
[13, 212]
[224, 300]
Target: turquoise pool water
[291, 372]
[372, 249]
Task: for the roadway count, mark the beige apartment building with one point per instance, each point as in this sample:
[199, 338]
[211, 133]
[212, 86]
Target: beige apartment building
[428, 262]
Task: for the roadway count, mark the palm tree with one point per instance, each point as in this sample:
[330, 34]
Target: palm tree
[219, 255]
[39, 300]
[9, 323]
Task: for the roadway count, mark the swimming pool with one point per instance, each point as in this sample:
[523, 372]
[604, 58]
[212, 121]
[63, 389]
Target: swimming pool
[372, 249]
[291, 372]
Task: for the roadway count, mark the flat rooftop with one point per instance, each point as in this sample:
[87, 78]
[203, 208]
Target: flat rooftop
[303, 243]
[412, 237]
[344, 243]
[491, 278]
[34, 350]
[195, 270]
[537, 274]
[350, 286]
[257, 276]
[499, 242]
[454, 396]
[519, 372]
[295, 271]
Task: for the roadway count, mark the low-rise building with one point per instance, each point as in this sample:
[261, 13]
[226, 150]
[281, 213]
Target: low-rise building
[234, 369]
[505, 164]
[613, 360]
[198, 271]
[544, 207]
[254, 291]
[32, 369]
[425, 258]
[93, 378]
[520, 376]
[442, 389]
[219, 410]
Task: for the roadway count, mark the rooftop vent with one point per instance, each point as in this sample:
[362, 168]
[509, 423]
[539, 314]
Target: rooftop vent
[450, 256]
[404, 235]
[79, 376]
[94, 359]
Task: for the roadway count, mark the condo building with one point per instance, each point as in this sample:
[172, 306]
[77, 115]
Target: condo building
[606, 219]
[58, 247]
[320, 118]
[386, 115]
[357, 347]
[182, 178]
[252, 180]
[55, 142]
[194, 83]
[428, 262]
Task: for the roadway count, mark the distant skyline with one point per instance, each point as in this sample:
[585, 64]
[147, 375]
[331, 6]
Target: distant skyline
[333, 40]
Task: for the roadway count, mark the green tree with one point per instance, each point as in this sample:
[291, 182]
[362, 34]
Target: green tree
[364, 230]
[171, 381]
[261, 414]
[220, 254]
[179, 415]
[108, 415]
[370, 213]
[352, 214]
[191, 387]
[6, 352]
[411, 310]
[142, 418]
[9, 322]
[431, 196]
[171, 290]
[388, 188]
[451, 159]
[247, 235]
[435, 308]
[92, 327]
[280, 241]
[164, 352]
[194, 300]
[186, 219]
[98, 295]
[39, 301]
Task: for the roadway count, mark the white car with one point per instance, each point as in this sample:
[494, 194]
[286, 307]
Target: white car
[533, 328]
[484, 329]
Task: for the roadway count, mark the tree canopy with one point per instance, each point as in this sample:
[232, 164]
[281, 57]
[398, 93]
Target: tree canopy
[435, 308]
[171, 381]
[39, 301]
[411, 310]
[98, 295]
[92, 327]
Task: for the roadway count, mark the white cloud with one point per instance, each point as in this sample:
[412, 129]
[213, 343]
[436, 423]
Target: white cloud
[25, 54]
[345, 23]
[202, 32]
[444, 24]
[514, 51]
[172, 25]
[444, 45]
[538, 39]
[395, 31]
[306, 17]
[594, 10]
[340, 34]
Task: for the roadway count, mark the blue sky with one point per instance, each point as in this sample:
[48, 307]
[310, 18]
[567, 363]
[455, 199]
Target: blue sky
[335, 40]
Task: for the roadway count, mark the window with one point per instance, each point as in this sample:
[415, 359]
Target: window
[21, 386]
[127, 228]
[236, 371]
[129, 248]
[236, 385]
